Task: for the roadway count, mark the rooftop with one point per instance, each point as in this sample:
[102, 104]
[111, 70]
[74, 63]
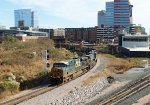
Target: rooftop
[138, 49]
[136, 35]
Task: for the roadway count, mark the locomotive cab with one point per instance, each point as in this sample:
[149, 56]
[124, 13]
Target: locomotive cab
[57, 72]
[61, 70]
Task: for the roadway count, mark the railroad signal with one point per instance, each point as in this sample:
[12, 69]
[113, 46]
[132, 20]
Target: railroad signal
[46, 57]
[47, 65]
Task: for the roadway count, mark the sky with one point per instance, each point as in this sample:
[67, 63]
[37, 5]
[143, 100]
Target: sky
[69, 13]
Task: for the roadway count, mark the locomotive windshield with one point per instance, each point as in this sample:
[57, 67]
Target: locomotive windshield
[59, 65]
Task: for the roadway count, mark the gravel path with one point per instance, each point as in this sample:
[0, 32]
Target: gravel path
[72, 93]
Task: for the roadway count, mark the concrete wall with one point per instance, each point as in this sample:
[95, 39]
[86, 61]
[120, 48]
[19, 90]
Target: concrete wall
[129, 44]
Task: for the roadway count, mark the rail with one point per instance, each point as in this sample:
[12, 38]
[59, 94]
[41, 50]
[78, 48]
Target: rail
[34, 94]
[127, 92]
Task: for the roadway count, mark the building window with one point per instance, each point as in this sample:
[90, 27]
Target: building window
[141, 39]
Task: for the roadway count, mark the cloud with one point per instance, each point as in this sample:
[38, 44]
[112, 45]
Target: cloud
[83, 11]
[80, 11]
[141, 13]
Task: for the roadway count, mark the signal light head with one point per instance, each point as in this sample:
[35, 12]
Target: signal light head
[47, 64]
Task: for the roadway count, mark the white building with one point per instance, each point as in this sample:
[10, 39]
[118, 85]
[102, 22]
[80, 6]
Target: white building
[136, 45]
[136, 42]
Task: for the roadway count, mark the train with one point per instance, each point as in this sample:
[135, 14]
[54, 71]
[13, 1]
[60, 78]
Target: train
[64, 71]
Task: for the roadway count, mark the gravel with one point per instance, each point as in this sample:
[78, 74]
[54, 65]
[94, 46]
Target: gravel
[73, 93]
[144, 100]
[76, 97]
[122, 81]
[133, 99]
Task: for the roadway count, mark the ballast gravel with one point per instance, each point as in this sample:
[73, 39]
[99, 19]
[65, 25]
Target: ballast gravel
[81, 96]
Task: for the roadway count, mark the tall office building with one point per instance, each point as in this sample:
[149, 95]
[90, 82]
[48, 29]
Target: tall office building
[25, 18]
[34, 19]
[101, 18]
[122, 14]
[110, 13]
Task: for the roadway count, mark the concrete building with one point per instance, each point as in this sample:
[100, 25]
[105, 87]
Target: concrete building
[10, 32]
[136, 45]
[122, 14]
[105, 34]
[101, 18]
[25, 18]
[110, 14]
[25, 38]
[49, 31]
[59, 32]
[137, 29]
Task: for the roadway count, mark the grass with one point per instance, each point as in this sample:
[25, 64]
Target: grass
[118, 64]
[18, 58]
[115, 65]
[95, 77]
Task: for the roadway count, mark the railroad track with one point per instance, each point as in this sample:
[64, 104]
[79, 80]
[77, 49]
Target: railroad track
[127, 92]
[28, 96]
[35, 93]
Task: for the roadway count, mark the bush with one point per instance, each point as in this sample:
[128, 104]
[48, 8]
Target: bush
[11, 42]
[5, 62]
[12, 86]
[9, 77]
[21, 79]
[25, 59]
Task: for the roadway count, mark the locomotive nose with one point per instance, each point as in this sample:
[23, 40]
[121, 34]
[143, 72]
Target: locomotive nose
[57, 75]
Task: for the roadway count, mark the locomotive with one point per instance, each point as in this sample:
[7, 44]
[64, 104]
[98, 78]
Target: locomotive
[65, 71]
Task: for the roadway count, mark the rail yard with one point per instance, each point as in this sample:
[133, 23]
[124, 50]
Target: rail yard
[134, 85]
[127, 92]
[76, 67]
[68, 86]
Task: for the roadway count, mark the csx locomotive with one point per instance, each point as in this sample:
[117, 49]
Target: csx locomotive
[65, 71]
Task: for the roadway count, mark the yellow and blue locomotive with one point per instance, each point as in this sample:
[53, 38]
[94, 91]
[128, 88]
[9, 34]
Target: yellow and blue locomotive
[65, 71]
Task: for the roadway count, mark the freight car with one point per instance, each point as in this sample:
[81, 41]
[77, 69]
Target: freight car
[65, 71]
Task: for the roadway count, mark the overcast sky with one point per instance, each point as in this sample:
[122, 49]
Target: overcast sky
[69, 13]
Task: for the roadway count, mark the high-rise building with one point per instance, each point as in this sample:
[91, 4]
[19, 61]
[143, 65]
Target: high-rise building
[122, 14]
[110, 13]
[101, 18]
[25, 18]
[34, 19]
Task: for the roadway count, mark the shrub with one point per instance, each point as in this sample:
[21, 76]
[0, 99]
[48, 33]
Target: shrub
[21, 78]
[11, 42]
[9, 77]
[12, 86]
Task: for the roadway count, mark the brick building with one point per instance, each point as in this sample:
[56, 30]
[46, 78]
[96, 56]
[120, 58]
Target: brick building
[81, 34]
